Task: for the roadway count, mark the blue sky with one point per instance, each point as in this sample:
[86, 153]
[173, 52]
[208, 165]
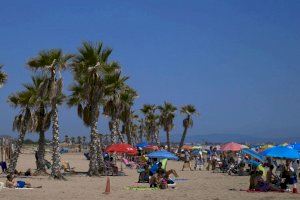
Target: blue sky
[236, 61]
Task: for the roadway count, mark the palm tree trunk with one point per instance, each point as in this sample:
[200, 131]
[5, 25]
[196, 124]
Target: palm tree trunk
[94, 144]
[15, 156]
[100, 155]
[168, 140]
[127, 132]
[182, 139]
[120, 135]
[56, 165]
[114, 130]
[41, 153]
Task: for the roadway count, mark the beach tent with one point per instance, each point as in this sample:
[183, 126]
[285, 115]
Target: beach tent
[162, 154]
[231, 146]
[281, 152]
[121, 148]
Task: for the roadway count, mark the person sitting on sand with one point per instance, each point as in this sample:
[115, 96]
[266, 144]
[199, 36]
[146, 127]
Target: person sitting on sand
[252, 178]
[271, 178]
[113, 166]
[157, 176]
[144, 174]
[261, 185]
[11, 183]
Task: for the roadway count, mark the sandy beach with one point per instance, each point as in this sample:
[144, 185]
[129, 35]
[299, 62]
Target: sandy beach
[194, 185]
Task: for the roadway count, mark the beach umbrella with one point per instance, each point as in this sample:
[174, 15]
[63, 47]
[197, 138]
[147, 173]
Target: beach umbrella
[121, 148]
[162, 154]
[254, 154]
[197, 147]
[151, 147]
[187, 147]
[266, 146]
[281, 152]
[284, 144]
[295, 146]
[231, 146]
[142, 145]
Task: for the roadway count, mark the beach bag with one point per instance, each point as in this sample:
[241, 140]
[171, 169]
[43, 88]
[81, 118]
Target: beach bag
[164, 184]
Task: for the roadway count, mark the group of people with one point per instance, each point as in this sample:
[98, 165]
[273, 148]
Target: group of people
[154, 172]
[288, 176]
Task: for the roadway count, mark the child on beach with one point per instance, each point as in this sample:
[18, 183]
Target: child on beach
[11, 183]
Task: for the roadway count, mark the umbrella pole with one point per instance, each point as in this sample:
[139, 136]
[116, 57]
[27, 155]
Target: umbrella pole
[121, 165]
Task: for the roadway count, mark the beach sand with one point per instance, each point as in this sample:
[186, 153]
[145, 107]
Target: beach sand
[199, 185]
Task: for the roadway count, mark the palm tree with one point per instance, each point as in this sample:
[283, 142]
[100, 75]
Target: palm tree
[188, 111]
[3, 76]
[23, 123]
[114, 85]
[89, 68]
[167, 115]
[151, 123]
[52, 62]
[127, 97]
[41, 105]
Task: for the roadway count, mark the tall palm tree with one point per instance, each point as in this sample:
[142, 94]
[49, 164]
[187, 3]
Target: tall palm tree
[114, 85]
[52, 62]
[89, 69]
[167, 115]
[151, 123]
[23, 123]
[3, 76]
[41, 108]
[188, 111]
[127, 98]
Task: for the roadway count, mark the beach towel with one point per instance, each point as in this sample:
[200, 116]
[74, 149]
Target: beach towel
[18, 188]
[140, 188]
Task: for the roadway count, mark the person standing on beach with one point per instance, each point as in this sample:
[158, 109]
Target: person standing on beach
[209, 154]
[187, 158]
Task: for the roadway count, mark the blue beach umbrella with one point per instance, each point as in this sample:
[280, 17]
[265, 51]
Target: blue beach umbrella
[281, 152]
[295, 146]
[142, 145]
[254, 154]
[163, 154]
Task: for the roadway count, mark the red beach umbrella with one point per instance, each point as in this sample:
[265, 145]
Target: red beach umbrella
[121, 148]
[231, 146]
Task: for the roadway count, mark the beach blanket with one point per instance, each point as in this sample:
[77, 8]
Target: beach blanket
[140, 188]
[18, 188]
